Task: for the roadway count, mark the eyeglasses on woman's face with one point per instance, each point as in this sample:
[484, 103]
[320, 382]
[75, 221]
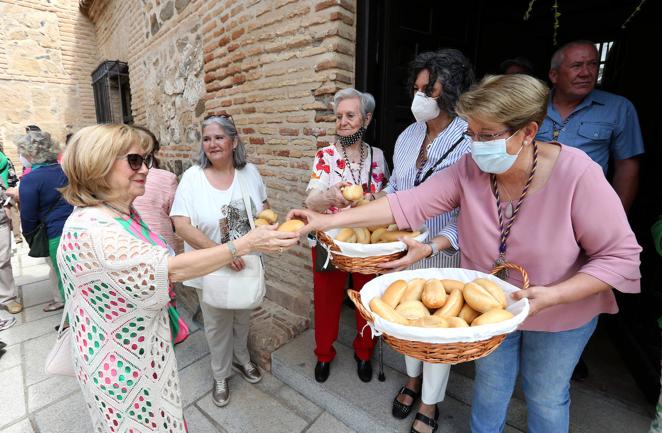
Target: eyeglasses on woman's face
[484, 136]
[136, 160]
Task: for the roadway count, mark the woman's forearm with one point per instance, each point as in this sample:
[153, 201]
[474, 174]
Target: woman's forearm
[191, 235]
[578, 287]
[200, 262]
[377, 212]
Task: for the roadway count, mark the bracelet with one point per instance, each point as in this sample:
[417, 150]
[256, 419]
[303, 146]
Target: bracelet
[434, 247]
[233, 250]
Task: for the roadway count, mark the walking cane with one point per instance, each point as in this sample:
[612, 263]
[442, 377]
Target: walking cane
[381, 376]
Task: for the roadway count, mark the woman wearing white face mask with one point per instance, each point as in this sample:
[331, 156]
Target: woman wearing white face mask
[544, 206]
[434, 142]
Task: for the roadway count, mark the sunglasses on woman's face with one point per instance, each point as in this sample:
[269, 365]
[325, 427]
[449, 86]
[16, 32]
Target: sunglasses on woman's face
[136, 161]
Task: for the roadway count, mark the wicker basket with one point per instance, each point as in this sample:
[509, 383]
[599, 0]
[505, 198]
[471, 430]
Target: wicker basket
[361, 265]
[449, 353]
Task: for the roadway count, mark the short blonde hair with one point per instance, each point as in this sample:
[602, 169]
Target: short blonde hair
[513, 100]
[89, 159]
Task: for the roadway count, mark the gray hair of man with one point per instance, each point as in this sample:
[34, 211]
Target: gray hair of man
[557, 57]
[38, 147]
[228, 126]
[367, 101]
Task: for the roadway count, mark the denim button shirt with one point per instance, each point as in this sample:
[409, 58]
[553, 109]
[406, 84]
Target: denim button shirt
[602, 125]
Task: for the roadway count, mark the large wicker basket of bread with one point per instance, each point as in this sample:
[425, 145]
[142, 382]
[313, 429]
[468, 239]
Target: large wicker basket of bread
[445, 315]
[362, 249]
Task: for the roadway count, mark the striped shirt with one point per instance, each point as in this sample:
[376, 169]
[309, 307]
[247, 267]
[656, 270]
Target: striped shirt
[407, 148]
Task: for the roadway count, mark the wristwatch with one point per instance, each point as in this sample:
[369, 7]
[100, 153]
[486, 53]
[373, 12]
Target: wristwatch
[233, 250]
[433, 245]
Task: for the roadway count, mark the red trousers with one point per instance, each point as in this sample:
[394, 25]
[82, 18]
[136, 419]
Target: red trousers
[329, 293]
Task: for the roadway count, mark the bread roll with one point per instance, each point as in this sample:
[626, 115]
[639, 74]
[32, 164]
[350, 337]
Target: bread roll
[412, 310]
[393, 236]
[344, 234]
[385, 311]
[291, 226]
[468, 314]
[362, 201]
[434, 295]
[479, 298]
[453, 305]
[375, 228]
[394, 293]
[362, 236]
[430, 322]
[493, 316]
[261, 222]
[376, 235]
[352, 192]
[456, 322]
[451, 285]
[494, 289]
[268, 215]
[414, 290]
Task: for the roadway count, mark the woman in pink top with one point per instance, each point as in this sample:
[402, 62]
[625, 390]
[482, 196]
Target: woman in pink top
[154, 206]
[544, 206]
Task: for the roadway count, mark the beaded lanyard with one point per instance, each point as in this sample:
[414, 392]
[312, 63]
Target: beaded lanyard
[505, 228]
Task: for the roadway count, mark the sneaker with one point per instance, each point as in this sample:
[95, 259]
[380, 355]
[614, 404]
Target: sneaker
[14, 307]
[6, 323]
[248, 371]
[220, 394]
[53, 306]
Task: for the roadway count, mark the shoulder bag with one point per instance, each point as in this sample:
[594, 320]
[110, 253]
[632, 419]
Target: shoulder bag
[37, 238]
[237, 290]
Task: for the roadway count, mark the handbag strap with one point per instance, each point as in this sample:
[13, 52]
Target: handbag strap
[244, 194]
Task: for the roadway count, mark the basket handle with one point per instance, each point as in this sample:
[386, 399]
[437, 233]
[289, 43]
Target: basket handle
[356, 299]
[507, 265]
[326, 240]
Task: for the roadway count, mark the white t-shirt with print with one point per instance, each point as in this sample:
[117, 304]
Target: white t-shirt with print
[219, 214]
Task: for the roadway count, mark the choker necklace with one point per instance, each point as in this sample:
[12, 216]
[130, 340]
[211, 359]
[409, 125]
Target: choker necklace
[119, 211]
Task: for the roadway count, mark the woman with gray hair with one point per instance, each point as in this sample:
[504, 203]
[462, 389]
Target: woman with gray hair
[41, 201]
[209, 210]
[349, 161]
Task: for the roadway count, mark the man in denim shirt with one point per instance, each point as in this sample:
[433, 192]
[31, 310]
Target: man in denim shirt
[602, 124]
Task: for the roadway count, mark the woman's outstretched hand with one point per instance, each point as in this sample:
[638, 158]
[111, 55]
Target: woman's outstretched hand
[267, 239]
[314, 221]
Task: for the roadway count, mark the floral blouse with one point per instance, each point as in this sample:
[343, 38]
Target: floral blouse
[330, 168]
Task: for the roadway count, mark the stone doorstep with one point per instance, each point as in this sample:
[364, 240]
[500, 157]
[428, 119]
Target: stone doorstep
[271, 325]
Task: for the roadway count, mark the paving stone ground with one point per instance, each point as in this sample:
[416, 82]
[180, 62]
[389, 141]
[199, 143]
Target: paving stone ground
[33, 402]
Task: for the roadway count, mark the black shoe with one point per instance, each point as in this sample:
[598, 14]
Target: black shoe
[401, 410]
[581, 371]
[322, 371]
[426, 420]
[363, 369]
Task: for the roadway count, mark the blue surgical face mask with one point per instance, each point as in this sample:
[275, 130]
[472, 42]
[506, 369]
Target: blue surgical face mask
[492, 156]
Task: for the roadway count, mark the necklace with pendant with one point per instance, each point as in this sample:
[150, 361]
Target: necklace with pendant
[506, 224]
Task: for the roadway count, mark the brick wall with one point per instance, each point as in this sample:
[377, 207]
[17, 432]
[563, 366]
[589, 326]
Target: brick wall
[275, 65]
[47, 52]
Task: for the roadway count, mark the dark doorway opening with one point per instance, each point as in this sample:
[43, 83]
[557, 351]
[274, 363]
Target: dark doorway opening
[391, 32]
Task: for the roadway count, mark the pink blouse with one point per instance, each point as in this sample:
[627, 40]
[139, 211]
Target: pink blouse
[574, 223]
[154, 206]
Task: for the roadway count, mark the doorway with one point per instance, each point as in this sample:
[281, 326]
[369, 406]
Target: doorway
[391, 32]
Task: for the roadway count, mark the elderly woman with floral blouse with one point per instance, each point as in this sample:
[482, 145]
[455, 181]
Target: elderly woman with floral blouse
[348, 161]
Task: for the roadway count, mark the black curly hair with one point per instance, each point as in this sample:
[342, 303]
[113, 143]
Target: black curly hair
[451, 68]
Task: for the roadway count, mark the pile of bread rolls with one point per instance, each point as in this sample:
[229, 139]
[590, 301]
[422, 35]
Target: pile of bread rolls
[442, 303]
[374, 235]
[268, 217]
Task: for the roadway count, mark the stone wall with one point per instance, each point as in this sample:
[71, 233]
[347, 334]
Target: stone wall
[47, 53]
[275, 65]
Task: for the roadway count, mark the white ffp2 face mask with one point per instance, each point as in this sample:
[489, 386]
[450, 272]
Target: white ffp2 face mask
[424, 107]
[492, 156]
